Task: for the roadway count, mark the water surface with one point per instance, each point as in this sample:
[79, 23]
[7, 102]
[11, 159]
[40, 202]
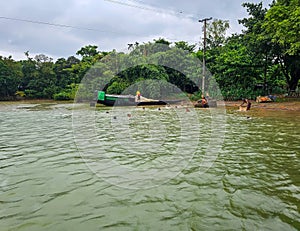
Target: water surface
[50, 181]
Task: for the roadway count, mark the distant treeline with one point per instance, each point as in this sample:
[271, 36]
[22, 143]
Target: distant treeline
[263, 59]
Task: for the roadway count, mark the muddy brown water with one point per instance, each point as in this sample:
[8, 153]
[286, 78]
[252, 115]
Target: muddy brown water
[52, 178]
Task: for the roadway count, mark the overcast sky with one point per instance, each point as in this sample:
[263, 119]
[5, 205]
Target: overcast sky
[109, 24]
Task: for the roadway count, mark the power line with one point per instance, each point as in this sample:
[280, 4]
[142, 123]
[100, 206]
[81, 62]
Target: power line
[70, 26]
[74, 27]
[131, 5]
[144, 6]
[159, 9]
[57, 25]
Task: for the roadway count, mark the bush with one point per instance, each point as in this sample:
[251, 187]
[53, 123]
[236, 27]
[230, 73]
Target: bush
[20, 93]
[196, 96]
[62, 96]
[68, 93]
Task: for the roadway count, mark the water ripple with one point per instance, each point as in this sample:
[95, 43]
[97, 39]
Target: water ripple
[45, 184]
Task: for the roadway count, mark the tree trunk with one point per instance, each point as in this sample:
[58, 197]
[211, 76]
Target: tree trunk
[291, 70]
[293, 83]
[294, 73]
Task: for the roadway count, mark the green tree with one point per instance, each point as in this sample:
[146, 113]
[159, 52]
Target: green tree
[216, 33]
[235, 70]
[260, 47]
[90, 56]
[39, 78]
[10, 77]
[150, 48]
[281, 26]
[45, 84]
[29, 71]
[88, 51]
[63, 70]
[162, 41]
[185, 46]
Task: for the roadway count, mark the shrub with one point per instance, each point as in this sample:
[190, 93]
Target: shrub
[62, 96]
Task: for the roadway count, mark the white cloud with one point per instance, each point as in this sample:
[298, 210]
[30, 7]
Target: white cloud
[111, 25]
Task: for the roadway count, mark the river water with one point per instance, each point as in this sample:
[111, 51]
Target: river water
[65, 167]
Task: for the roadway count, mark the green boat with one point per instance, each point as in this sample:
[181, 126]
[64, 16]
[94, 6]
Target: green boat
[129, 100]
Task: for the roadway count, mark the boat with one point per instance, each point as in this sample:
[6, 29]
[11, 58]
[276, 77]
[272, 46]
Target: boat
[129, 100]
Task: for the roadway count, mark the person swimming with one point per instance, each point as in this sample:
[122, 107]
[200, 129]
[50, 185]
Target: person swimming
[248, 105]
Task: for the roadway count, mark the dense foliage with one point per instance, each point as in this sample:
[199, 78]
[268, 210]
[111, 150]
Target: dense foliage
[263, 59]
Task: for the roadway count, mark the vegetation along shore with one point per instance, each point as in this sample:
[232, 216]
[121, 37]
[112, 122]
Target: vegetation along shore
[261, 60]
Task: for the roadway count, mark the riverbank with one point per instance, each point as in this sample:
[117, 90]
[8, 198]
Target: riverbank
[293, 105]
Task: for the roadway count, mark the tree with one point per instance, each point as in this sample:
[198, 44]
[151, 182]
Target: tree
[216, 33]
[256, 16]
[90, 56]
[235, 70]
[41, 58]
[45, 83]
[29, 70]
[63, 70]
[281, 26]
[185, 46]
[10, 77]
[260, 47]
[162, 41]
[159, 45]
[39, 78]
[88, 51]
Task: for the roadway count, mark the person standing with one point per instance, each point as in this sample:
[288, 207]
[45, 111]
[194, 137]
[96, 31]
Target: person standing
[138, 96]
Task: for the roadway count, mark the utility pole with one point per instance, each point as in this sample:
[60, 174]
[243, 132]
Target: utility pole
[204, 47]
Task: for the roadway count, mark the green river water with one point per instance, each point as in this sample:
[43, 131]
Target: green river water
[76, 168]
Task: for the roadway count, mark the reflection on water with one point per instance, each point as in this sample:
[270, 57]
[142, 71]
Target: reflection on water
[45, 183]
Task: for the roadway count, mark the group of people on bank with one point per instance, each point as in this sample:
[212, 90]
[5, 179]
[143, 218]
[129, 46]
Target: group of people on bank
[204, 102]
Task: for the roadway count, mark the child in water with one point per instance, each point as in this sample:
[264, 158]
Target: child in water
[248, 105]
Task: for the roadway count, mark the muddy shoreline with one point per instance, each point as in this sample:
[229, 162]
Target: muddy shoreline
[291, 105]
[272, 106]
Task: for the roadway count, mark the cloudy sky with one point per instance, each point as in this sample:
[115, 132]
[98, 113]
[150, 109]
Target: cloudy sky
[59, 28]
